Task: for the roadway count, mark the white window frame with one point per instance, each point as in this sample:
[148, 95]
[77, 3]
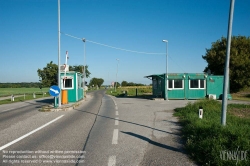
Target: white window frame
[72, 81]
[199, 84]
[173, 84]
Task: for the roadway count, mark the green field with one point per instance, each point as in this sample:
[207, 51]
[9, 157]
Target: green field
[142, 91]
[20, 91]
[22, 94]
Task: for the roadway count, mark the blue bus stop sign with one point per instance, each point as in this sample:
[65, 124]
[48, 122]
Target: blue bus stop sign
[54, 90]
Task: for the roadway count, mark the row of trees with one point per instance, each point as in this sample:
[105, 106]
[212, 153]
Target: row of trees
[49, 74]
[125, 83]
[239, 61]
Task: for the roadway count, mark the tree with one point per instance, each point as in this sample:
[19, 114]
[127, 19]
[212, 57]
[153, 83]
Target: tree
[239, 61]
[124, 83]
[117, 84]
[49, 74]
[96, 82]
[80, 68]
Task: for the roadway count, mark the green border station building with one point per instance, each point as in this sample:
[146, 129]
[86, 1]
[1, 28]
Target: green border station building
[187, 86]
[73, 85]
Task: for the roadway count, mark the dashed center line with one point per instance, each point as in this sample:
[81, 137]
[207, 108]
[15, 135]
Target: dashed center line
[115, 136]
[112, 161]
[116, 121]
[116, 113]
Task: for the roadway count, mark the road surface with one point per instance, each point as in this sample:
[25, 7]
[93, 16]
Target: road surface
[104, 130]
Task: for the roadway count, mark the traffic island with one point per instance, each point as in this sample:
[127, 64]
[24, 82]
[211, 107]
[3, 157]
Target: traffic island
[65, 107]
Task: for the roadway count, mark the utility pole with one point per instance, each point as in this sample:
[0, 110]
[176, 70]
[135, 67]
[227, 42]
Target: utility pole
[226, 70]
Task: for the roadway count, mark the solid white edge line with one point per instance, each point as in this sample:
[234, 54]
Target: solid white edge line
[112, 161]
[8, 110]
[116, 121]
[26, 135]
[13, 108]
[116, 107]
[115, 136]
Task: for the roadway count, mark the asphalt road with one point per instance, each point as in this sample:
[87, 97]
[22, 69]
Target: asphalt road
[28, 135]
[104, 130]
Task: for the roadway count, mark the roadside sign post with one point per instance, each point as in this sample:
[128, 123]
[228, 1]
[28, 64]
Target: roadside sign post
[55, 91]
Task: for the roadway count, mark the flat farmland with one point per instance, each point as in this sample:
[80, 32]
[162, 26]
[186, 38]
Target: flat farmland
[20, 91]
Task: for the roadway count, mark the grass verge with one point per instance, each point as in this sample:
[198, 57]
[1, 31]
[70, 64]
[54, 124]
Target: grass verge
[210, 143]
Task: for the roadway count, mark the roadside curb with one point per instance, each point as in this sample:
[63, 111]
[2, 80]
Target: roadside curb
[68, 107]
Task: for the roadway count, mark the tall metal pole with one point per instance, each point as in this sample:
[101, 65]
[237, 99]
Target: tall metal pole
[84, 64]
[166, 76]
[116, 74]
[226, 70]
[59, 44]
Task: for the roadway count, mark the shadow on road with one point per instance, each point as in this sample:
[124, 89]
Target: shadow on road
[41, 102]
[128, 122]
[152, 142]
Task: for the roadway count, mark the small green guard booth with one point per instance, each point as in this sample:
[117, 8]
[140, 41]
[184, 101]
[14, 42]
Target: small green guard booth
[187, 85]
[73, 83]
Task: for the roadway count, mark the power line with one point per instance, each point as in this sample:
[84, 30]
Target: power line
[122, 49]
[177, 64]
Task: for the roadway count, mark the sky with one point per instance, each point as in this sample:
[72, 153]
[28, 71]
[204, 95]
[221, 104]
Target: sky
[134, 30]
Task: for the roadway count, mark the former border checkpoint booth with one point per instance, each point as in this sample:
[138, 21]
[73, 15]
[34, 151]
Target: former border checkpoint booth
[71, 86]
[188, 86]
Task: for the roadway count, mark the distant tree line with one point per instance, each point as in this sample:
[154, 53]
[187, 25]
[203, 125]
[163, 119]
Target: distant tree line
[21, 85]
[125, 83]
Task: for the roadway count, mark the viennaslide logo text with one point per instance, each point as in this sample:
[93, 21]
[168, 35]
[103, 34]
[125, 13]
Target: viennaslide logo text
[236, 155]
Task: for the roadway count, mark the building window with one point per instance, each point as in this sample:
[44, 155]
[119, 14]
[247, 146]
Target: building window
[67, 83]
[194, 84]
[175, 84]
[79, 84]
[202, 84]
[170, 84]
[197, 84]
[178, 84]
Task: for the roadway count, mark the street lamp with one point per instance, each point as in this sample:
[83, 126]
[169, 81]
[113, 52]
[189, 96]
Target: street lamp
[116, 74]
[166, 76]
[59, 44]
[84, 64]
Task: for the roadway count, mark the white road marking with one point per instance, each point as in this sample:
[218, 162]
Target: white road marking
[115, 136]
[7, 110]
[116, 113]
[116, 107]
[112, 161]
[12, 109]
[116, 121]
[26, 135]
